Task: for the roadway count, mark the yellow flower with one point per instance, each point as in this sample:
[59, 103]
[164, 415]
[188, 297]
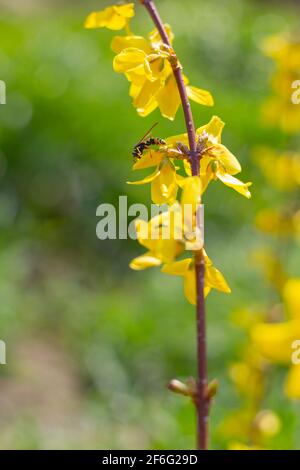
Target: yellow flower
[146, 65]
[164, 180]
[162, 246]
[169, 233]
[274, 340]
[186, 268]
[114, 17]
[217, 162]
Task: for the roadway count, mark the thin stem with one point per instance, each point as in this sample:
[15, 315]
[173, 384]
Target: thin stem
[202, 402]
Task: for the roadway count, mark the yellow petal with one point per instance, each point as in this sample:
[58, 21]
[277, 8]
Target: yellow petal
[205, 163]
[180, 180]
[164, 187]
[174, 140]
[114, 17]
[291, 295]
[200, 96]
[160, 67]
[148, 109]
[127, 10]
[234, 183]
[147, 93]
[191, 193]
[147, 179]
[206, 178]
[213, 128]
[149, 158]
[102, 19]
[178, 268]
[158, 239]
[168, 249]
[124, 42]
[141, 228]
[143, 232]
[208, 261]
[189, 285]
[169, 99]
[129, 59]
[135, 86]
[144, 261]
[228, 160]
[215, 280]
[144, 236]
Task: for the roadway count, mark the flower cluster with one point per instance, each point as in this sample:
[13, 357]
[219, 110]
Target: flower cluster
[216, 163]
[147, 64]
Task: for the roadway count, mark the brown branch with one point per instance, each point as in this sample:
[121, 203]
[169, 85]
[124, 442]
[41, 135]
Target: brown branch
[202, 402]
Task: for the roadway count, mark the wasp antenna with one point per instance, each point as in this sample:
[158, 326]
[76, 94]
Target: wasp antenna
[147, 133]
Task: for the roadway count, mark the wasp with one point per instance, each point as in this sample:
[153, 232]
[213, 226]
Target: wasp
[145, 143]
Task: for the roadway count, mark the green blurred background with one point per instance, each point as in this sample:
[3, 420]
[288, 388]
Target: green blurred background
[91, 344]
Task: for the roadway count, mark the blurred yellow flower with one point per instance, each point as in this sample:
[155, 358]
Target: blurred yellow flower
[282, 113]
[277, 222]
[217, 162]
[272, 267]
[284, 49]
[114, 17]
[282, 169]
[214, 279]
[248, 376]
[146, 65]
[280, 110]
[248, 429]
[274, 340]
[236, 445]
